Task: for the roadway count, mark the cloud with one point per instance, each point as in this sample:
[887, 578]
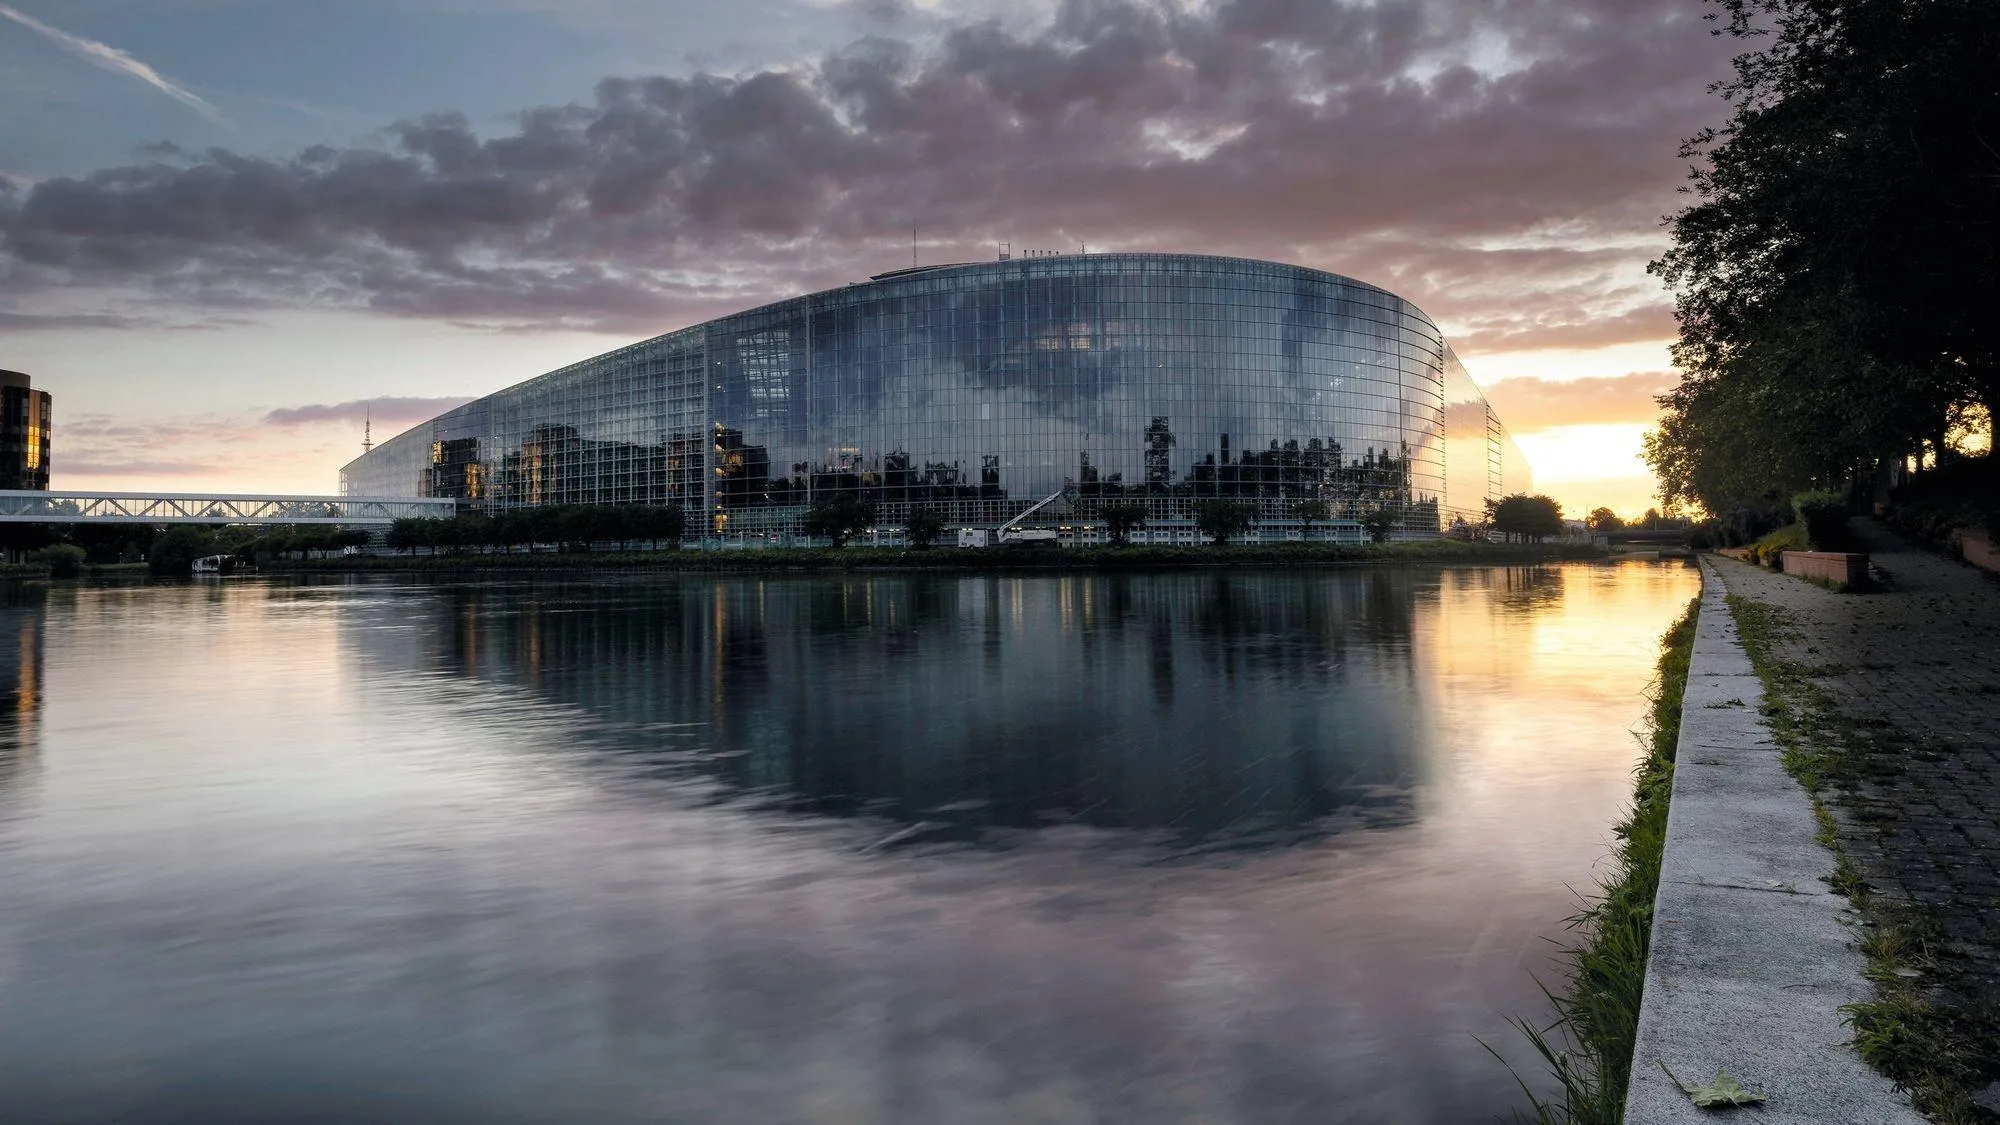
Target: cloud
[87, 467]
[32, 322]
[390, 411]
[1517, 198]
[209, 451]
[107, 57]
[1529, 404]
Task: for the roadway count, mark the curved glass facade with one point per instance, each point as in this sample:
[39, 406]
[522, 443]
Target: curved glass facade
[980, 390]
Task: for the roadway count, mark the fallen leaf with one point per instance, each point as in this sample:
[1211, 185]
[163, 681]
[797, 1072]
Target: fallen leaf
[1722, 1093]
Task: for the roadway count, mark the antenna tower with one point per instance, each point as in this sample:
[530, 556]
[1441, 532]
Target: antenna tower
[367, 427]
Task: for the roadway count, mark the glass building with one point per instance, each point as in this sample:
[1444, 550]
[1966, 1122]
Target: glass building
[982, 390]
[25, 421]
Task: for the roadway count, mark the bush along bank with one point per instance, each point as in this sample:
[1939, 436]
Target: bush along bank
[951, 558]
[1919, 1031]
[1587, 1048]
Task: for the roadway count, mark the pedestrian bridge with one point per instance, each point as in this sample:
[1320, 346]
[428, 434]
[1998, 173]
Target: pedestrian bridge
[196, 507]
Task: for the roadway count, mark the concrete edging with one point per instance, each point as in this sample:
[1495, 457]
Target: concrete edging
[1752, 952]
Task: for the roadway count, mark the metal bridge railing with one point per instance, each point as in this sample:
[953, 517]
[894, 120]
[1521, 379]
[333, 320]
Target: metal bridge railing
[194, 507]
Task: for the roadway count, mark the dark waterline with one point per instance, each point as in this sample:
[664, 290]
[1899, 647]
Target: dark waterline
[1264, 847]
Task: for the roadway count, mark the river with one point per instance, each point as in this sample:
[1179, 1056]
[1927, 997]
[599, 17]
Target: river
[1220, 847]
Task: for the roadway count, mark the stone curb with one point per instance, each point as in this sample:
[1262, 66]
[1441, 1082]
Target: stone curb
[1753, 954]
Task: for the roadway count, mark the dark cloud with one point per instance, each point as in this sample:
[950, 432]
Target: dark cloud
[392, 410]
[32, 322]
[1530, 404]
[1329, 133]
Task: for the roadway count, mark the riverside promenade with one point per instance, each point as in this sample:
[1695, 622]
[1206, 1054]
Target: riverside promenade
[1907, 683]
[1753, 954]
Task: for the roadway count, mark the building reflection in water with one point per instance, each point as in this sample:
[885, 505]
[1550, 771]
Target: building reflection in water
[21, 613]
[1189, 704]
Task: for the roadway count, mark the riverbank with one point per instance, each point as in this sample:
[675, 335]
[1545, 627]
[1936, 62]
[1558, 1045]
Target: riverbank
[1277, 555]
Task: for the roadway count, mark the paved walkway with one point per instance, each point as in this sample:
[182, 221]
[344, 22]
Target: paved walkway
[1753, 954]
[1918, 666]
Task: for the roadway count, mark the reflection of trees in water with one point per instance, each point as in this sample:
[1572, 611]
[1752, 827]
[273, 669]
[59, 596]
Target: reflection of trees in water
[22, 610]
[1187, 702]
[1524, 589]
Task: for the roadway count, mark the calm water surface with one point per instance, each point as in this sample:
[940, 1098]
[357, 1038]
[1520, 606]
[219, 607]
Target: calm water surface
[1261, 847]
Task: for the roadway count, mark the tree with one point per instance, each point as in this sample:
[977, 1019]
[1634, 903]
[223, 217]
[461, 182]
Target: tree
[1121, 518]
[923, 526]
[839, 516]
[174, 551]
[1530, 517]
[1603, 521]
[1310, 512]
[1379, 522]
[1221, 519]
[546, 524]
[656, 523]
[407, 534]
[64, 560]
[1836, 270]
[473, 529]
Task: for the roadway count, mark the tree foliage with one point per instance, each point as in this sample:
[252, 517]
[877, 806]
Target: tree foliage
[1378, 523]
[174, 552]
[1836, 273]
[1602, 520]
[923, 526]
[840, 517]
[1530, 517]
[1310, 512]
[1222, 519]
[1121, 518]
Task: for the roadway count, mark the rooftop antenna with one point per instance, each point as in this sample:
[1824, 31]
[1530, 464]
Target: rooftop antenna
[913, 248]
[367, 427]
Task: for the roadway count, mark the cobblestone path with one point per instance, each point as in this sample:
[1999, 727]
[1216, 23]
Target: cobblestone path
[1918, 667]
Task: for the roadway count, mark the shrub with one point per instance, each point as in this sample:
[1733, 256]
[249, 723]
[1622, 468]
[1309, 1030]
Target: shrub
[1769, 551]
[64, 560]
[174, 552]
[923, 526]
[1823, 518]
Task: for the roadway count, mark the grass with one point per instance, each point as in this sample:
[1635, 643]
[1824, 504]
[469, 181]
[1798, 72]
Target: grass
[953, 558]
[1768, 550]
[1938, 1051]
[1588, 1047]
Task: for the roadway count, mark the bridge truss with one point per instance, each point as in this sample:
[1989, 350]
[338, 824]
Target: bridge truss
[189, 507]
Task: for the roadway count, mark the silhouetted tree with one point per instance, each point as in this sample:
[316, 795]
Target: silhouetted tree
[1121, 518]
[923, 526]
[1603, 520]
[1837, 271]
[839, 516]
[1530, 517]
[1378, 523]
[1222, 519]
[1310, 512]
[175, 549]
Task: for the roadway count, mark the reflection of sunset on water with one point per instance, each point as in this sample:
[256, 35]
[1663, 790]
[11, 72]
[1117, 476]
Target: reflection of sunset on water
[1184, 846]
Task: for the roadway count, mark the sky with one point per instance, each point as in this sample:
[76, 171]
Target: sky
[228, 227]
